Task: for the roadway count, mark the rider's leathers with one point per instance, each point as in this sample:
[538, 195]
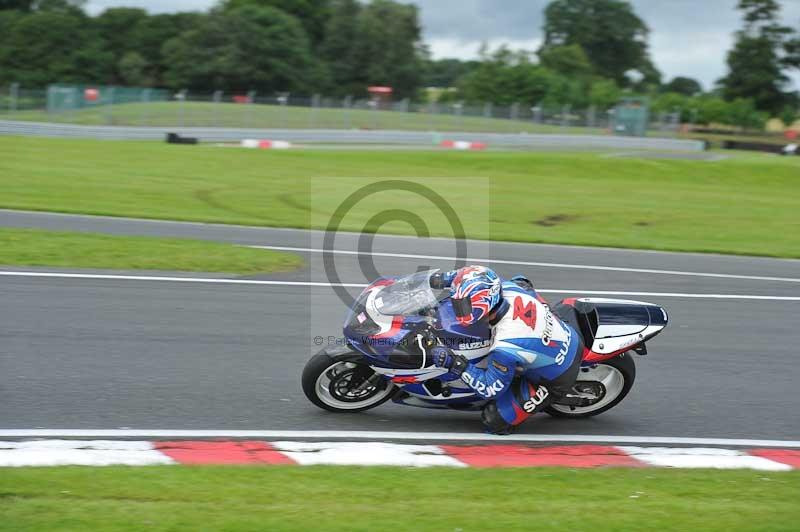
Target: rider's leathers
[531, 342]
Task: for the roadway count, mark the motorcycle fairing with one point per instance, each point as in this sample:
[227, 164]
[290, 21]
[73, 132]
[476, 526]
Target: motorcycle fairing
[617, 325]
[389, 340]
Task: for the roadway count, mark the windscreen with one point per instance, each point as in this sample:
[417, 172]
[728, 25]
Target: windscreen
[407, 295]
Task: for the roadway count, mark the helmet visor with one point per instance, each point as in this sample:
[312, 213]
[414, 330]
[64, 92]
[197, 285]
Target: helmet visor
[462, 307]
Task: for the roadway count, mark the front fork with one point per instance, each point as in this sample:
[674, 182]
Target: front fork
[366, 380]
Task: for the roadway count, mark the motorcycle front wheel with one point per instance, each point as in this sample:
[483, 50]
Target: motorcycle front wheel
[339, 381]
[608, 381]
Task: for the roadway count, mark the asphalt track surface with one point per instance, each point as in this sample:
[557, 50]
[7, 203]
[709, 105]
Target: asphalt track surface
[115, 353]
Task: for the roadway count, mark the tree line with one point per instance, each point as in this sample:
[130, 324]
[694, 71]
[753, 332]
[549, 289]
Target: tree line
[332, 47]
[593, 52]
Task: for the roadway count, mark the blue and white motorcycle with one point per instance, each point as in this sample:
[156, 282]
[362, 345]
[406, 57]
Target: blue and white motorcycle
[395, 321]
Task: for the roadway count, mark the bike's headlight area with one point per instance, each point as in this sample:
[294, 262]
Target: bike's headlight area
[359, 324]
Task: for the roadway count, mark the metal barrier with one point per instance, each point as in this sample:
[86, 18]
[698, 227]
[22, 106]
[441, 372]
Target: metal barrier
[344, 136]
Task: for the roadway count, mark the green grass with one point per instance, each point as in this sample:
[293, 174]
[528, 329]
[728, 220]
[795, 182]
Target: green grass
[350, 498]
[747, 204]
[26, 247]
[273, 116]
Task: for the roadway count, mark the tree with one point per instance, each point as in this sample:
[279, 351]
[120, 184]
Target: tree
[683, 85]
[50, 46]
[148, 36]
[18, 5]
[73, 6]
[789, 115]
[8, 21]
[671, 102]
[792, 48]
[568, 60]
[563, 90]
[506, 77]
[604, 93]
[337, 48]
[650, 77]
[312, 14]
[754, 72]
[611, 35]
[387, 48]
[115, 27]
[755, 66]
[742, 112]
[711, 109]
[133, 70]
[446, 72]
[249, 47]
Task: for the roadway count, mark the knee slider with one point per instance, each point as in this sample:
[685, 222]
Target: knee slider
[493, 421]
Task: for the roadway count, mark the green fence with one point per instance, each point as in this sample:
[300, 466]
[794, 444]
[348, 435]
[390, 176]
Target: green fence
[103, 105]
[74, 97]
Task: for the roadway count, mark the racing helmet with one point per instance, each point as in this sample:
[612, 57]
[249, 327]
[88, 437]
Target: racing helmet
[474, 292]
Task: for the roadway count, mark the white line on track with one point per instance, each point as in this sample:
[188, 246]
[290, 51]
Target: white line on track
[671, 294]
[542, 264]
[212, 280]
[384, 436]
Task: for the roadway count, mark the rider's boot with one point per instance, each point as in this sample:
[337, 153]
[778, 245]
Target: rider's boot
[517, 404]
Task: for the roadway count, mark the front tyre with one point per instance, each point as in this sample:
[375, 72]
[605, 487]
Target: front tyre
[341, 382]
[609, 381]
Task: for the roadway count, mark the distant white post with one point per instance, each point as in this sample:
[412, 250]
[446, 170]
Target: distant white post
[347, 103]
[216, 98]
[458, 109]
[536, 114]
[145, 99]
[251, 100]
[13, 95]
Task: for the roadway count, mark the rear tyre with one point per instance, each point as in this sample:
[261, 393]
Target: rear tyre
[611, 380]
[342, 382]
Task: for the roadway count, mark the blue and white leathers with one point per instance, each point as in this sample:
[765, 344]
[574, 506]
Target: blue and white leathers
[529, 341]
[529, 337]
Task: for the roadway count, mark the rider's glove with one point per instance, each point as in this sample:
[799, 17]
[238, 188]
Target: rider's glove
[441, 280]
[437, 281]
[444, 358]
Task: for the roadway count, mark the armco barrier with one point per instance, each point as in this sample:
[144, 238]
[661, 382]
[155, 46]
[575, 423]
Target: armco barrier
[350, 136]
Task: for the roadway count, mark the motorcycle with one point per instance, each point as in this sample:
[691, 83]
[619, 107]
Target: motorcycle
[396, 320]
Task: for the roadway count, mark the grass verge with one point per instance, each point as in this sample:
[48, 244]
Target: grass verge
[27, 247]
[351, 498]
[746, 204]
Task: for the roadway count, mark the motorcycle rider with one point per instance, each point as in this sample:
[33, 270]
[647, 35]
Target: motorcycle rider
[534, 354]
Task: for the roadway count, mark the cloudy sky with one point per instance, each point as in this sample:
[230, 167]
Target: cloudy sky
[688, 37]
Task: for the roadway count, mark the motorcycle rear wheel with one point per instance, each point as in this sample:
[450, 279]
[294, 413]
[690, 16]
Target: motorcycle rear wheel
[331, 381]
[615, 377]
